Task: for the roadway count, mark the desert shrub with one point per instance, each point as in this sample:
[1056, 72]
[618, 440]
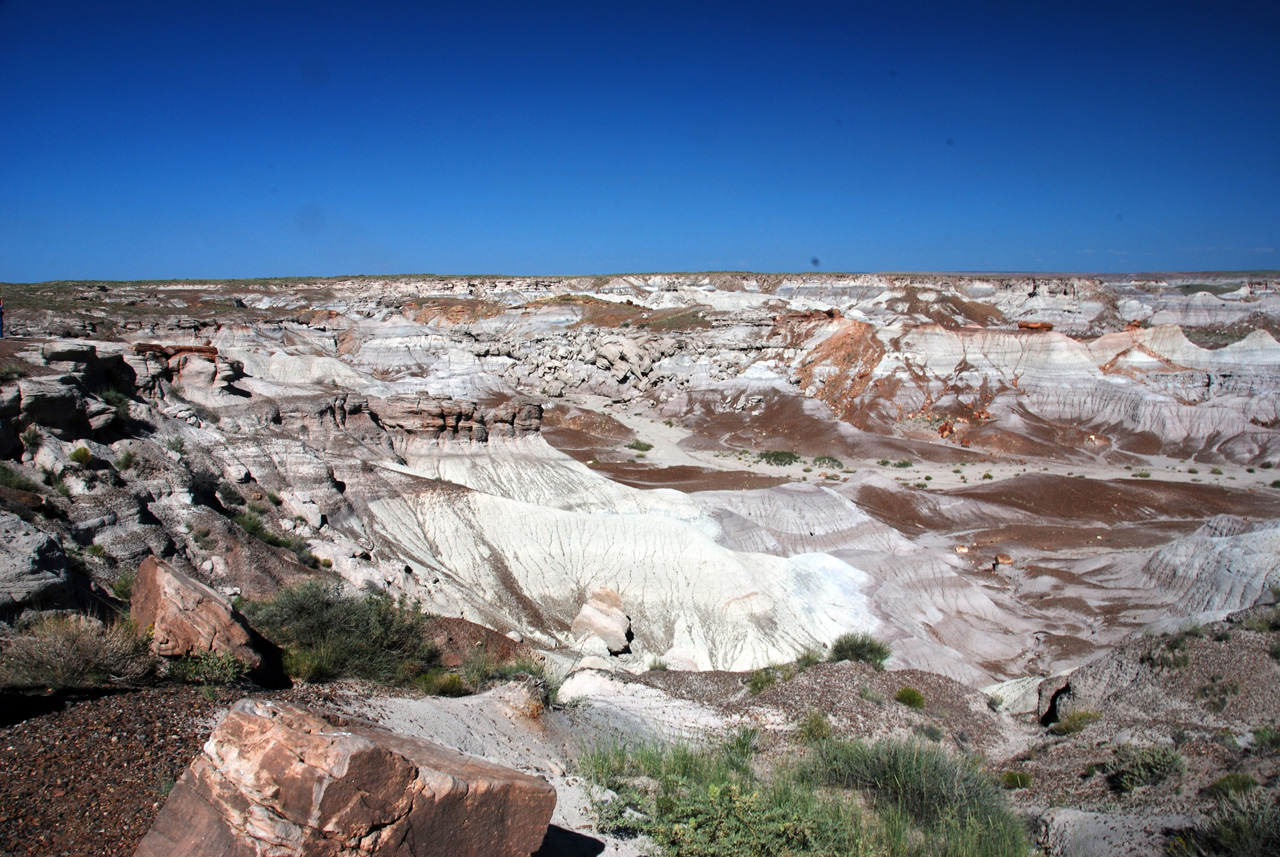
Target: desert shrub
[778, 458]
[327, 634]
[252, 524]
[126, 460]
[122, 587]
[1234, 783]
[640, 446]
[1264, 622]
[870, 695]
[952, 804]
[11, 372]
[761, 680]
[273, 498]
[64, 651]
[208, 668]
[1275, 483]
[1143, 474]
[17, 481]
[228, 494]
[987, 475]
[657, 665]
[81, 455]
[994, 701]
[1169, 652]
[1240, 826]
[120, 402]
[1266, 739]
[1015, 780]
[813, 727]
[708, 803]
[1133, 767]
[910, 697]
[828, 461]
[31, 438]
[903, 463]
[1216, 471]
[808, 658]
[440, 683]
[176, 444]
[860, 647]
[1074, 722]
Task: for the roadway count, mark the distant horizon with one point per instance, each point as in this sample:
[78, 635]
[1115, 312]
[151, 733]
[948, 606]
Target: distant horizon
[1245, 274]
[144, 137]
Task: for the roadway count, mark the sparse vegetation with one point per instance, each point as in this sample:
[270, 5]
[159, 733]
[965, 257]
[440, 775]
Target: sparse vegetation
[657, 665]
[66, 651]
[81, 456]
[126, 460]
[328, 635]
[828, 461]
[120, 402]
[1234, 783]
[228, 494]
[11, 372]
[252, 524]
[1074, 722]
[176, 445]
[208, 668]
[122, 587]
[1240, 826]
[1134, 767]
[903, 463]
[761, 680]
[987, 475]
[778, 458]
[640, 446]
[1016, 780]
[813, 727]
[31, 438]
[17, 481]
[860, 647]
[910, 697]
[807, 659]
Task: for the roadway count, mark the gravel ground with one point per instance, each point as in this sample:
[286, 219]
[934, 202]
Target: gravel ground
[89, 776]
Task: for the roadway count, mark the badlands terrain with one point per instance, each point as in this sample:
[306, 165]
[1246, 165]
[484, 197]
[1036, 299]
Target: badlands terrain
[1045, 494]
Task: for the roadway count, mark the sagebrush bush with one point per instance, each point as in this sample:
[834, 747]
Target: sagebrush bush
[910, 697]
[778, 457]
[860, 647]
[65, 651]
[1133, 767]
[327, 634]
[209, 668]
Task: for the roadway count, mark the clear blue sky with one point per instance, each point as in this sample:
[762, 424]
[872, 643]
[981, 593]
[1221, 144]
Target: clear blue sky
[192, 139]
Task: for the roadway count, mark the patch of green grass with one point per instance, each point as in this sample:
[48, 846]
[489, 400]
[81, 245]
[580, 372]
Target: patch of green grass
[828, 461]
[122, 587]
[861, 647]
[1266, 739]
[813, 727]
[176, 444]
[81, 455]
[120, 402]
[807, 659]
[252, 524]
[910, 697]
[778, 458]
[1134, 767]
[31, 438]
[761, 680]
[938, 803]
[657, 665]
[1234, 783]
[640, 446]
[1074, 722]
[1016, 780]
[126, 460]
[328, 635]
[903, 463]
[1240, 826]
[437, 682]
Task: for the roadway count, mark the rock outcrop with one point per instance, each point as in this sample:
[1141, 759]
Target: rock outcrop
[185, 616]
[33, 569]
[604, 617]
[277, 779]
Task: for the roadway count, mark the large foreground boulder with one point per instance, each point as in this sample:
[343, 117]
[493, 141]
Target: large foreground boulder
[185, 616]
[281, 780]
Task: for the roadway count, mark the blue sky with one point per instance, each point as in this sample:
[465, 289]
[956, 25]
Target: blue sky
[191, 139]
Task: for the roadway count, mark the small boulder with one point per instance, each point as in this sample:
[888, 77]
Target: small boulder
[603, 616]
[187, 617]
[277, 779]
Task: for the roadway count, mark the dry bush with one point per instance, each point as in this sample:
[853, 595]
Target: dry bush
[67, 650]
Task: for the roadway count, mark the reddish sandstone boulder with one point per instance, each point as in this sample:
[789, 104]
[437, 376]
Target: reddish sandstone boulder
[1035, 325]
[185, 616]
[277, 779]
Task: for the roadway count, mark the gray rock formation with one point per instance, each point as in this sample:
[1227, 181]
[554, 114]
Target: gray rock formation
[33, 569]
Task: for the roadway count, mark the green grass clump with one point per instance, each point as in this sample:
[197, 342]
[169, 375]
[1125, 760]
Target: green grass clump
[929, 801]
[176, 444]
[828, 461]
[81, 455]
[778, 458]
[910, 697]
[1074, 722]
[903, 463]
[1133, 767]
[1240, 826]
[437, 682]
[813, 727]
[328, 635]
[252, 524]
[1266, 739]
[208, 668]
[120, 402]
[126, 460]
[640, 446]
[860, 647]
[709, 803]
[1234, 783]
[122, 587]
[761, 680]
[31, 438]
[807, 659]
[17, 481]
[657, 665]
[1015, 780]
[11, 372]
